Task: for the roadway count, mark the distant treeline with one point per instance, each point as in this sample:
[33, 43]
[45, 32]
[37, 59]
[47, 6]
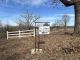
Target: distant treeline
[62, 26]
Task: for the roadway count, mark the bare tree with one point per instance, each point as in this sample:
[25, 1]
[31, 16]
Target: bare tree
[0, 24]
[1, 30]
[76, 4]
[62, 22]
[4, 28]
[58, 23]
[27, 20]
[65, 19]
[1, 27]
[7, 27]
[55, 3]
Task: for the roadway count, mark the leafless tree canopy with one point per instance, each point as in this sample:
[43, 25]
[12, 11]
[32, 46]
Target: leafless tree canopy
[27, 20]
[65, 19]
[55, 2]
[0, 24]
[63, 22]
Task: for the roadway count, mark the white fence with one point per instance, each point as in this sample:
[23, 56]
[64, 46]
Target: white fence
[19, 34]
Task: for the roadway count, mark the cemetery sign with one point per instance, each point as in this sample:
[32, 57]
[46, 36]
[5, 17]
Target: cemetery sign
[44, 30]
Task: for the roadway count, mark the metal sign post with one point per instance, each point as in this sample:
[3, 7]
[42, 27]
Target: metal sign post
[35, 37]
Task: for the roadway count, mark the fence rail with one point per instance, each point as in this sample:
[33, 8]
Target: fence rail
[19, 34]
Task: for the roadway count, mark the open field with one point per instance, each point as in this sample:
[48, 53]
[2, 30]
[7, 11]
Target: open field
[58, 46]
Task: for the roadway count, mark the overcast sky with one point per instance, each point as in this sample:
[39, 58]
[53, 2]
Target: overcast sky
[10, 10]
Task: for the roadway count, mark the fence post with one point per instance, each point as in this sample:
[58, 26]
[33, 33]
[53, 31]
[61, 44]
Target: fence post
[19, 34]
[34, 32]
[7, 35]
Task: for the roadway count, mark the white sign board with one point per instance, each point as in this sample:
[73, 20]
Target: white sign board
[44, 29]
[68, 0]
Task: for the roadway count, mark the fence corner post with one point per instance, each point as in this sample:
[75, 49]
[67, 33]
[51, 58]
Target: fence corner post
[34, 32]
[19, 34]
[7, 35]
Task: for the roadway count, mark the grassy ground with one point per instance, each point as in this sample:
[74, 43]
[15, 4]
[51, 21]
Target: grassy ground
[57, 46]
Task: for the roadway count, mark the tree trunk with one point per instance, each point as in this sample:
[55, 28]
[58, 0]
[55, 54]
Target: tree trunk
[77, 18]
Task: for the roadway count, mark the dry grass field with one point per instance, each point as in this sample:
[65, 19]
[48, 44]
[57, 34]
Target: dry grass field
[58, 46]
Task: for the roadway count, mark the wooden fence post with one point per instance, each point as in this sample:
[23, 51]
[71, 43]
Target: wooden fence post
[19, 34]
[7, 35]
[34, 32]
